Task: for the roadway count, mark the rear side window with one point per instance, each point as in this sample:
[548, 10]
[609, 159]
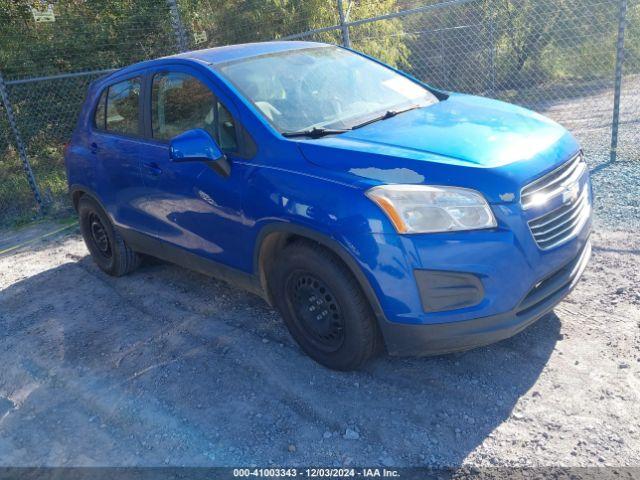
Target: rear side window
[118, 109]
[180, 102]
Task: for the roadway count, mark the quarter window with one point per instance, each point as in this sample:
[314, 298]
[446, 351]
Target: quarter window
[226, 133]
[100, 118]
[122, 108]
[180, 102]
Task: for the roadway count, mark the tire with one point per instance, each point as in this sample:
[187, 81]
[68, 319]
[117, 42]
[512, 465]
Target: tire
[108, 249]
[324, 307]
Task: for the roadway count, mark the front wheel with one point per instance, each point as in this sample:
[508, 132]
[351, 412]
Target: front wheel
[108, 249]
[324, 307]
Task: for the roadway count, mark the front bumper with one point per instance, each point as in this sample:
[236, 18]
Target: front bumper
[440, 338]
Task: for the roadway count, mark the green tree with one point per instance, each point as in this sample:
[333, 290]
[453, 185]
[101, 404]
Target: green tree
[236, 21]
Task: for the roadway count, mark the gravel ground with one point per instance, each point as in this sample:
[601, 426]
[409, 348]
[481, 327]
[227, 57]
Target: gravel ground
[588, 116]
[168, 367]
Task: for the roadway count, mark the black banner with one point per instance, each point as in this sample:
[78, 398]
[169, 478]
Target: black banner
[223, 473]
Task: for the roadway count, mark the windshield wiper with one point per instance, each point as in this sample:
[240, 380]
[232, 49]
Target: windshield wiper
[385, 116]
[314, 132]
[317, 132]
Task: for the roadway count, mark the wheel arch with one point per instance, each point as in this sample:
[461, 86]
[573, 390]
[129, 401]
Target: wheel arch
[78, 191]
[275, 236]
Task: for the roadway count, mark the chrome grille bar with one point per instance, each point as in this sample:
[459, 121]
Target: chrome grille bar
[553, 183]
[562, 224]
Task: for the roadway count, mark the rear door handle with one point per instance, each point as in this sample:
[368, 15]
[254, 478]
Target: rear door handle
[153, 168]
[94, 147]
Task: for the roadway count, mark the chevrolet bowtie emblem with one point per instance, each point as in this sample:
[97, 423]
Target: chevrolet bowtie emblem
[570, 193]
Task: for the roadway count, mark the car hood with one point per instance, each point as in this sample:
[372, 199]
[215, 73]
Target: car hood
[464, 140]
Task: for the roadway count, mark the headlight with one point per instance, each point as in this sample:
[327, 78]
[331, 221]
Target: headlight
[429, 209]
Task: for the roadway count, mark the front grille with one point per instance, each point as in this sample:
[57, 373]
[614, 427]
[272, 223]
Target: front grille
[562, 224]
[553, 183]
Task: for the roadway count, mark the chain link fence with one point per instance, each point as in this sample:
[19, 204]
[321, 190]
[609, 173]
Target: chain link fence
[16, 197]
[47, 67]
[564, 58]
[629, 130]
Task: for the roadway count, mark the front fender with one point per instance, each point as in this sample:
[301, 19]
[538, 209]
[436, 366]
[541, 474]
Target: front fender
[283, 230]
[334, 214]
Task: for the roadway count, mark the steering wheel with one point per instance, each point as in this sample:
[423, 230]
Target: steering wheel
[307, 86]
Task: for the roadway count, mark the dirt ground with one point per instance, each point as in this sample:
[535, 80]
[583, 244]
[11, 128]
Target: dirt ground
[168, 367]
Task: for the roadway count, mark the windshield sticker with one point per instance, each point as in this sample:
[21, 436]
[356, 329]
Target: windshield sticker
[405, 87]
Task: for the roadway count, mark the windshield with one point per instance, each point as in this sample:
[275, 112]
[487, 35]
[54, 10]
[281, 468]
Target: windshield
[324, 87]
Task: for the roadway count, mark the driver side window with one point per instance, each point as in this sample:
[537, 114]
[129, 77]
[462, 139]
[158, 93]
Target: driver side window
[180, 102]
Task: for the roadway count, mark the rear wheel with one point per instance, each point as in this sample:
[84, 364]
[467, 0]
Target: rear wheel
[108, 249]
[324, 307]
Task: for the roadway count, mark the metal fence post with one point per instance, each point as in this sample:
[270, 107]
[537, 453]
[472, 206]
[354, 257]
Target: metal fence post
[443, 56]
[178, 27]
[622, 25]
[346, 41]
[22, 151]
[492, 56]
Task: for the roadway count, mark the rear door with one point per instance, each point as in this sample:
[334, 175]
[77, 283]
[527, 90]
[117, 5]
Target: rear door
[115, 143]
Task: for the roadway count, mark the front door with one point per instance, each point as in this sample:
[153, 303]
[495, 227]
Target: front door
[196, 207]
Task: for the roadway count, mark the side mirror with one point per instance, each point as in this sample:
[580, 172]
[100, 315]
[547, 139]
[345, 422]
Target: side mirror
[198, 145]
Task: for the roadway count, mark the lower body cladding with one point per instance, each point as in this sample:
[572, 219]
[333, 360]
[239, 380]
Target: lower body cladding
[434, 339]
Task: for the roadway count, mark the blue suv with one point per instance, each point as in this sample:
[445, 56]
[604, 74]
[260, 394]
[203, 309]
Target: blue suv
[373, 211]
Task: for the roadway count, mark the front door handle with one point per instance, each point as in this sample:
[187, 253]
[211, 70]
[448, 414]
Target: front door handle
[94, 147]
[153, 168]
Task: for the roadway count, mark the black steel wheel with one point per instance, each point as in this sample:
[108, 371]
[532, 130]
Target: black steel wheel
[99, 236]
[323, 306]
[317, 309]
[107, 247]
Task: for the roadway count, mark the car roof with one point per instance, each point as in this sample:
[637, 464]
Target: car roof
[228, 53]
[237, 52]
